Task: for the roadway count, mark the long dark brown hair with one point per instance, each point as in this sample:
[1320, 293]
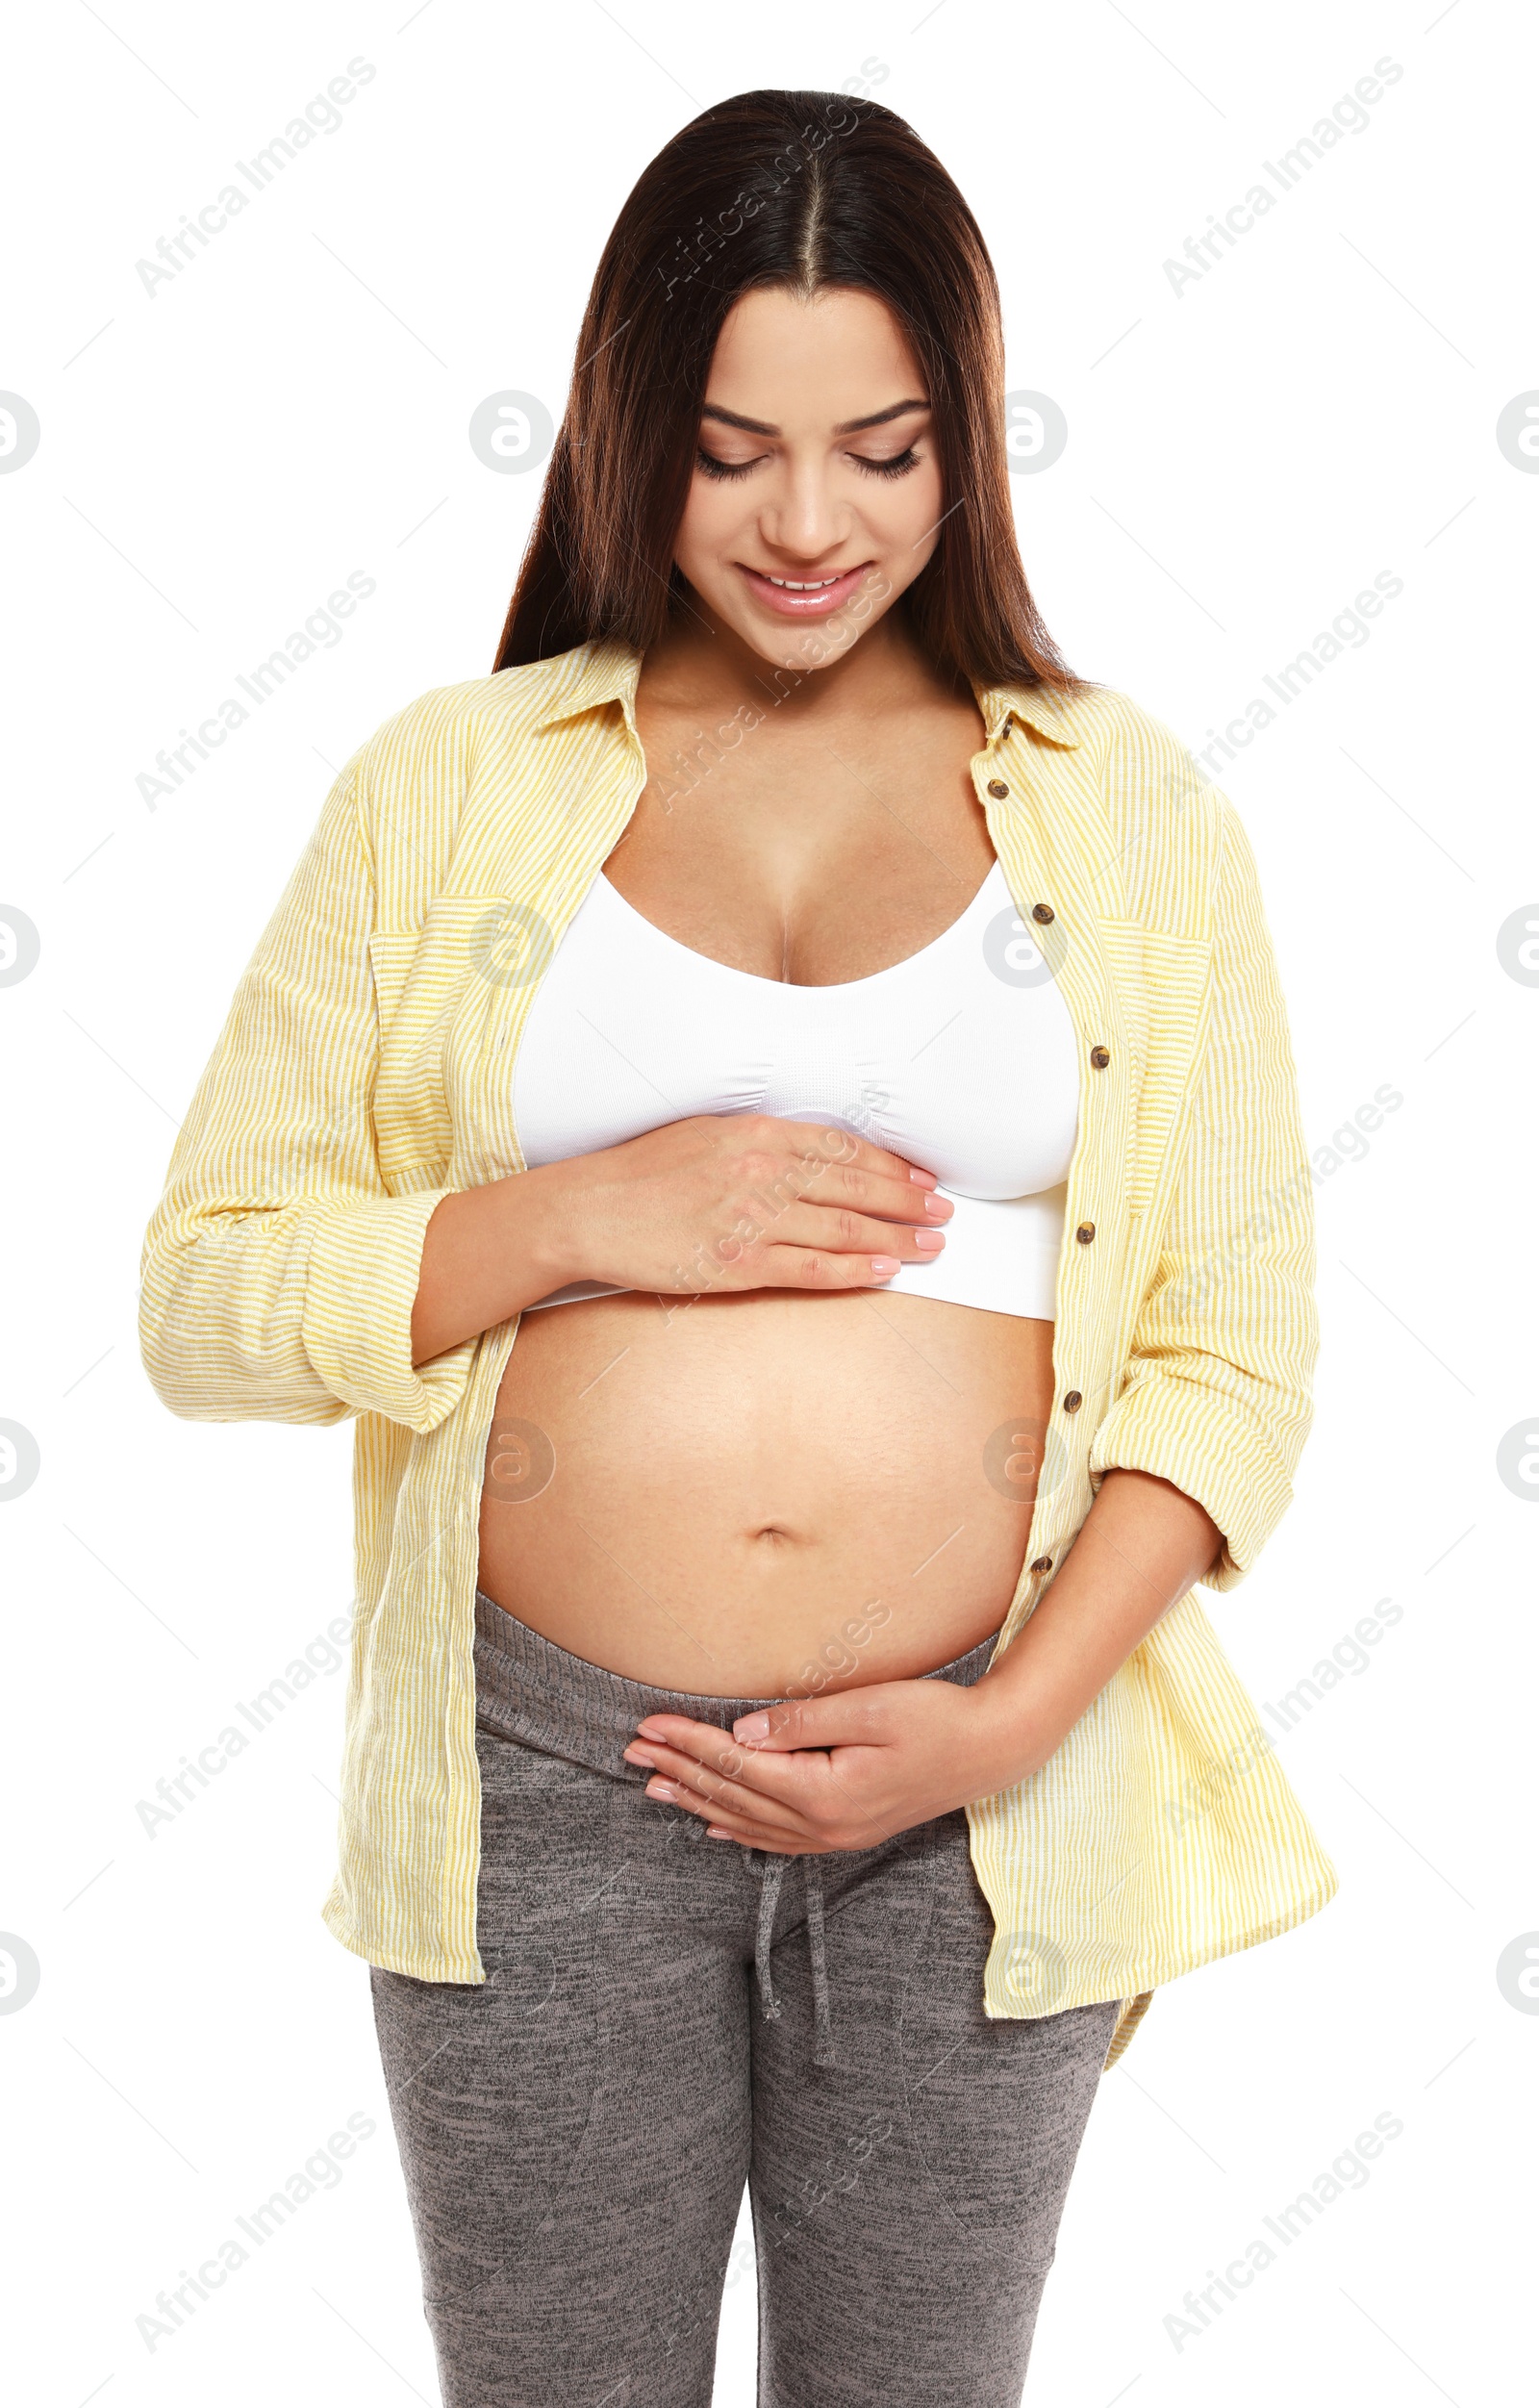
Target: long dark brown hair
[804, 190]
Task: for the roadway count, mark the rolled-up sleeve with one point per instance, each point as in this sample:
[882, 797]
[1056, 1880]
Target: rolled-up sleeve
[278, 1272]
[1218, 1393]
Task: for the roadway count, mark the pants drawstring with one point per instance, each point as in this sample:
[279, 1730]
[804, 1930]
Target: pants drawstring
[770, 1869]
[823, 2046]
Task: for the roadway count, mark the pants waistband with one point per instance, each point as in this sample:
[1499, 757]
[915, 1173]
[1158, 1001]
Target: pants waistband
[529, 1688]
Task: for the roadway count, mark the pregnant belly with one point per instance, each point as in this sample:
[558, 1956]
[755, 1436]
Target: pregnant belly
[752, 1495]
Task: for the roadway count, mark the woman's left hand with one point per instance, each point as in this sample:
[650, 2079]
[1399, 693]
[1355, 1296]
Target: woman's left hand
[848, 1770]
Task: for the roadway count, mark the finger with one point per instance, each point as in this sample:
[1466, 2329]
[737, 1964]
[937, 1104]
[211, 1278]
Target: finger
[768, 1843]
[815, 1830]
[704, 1742]
[790, 1839]
[857, 1717]
[880, 1198]
[836, 1230]
[817, 1804]
[806, 1268]
[702, 1787]
[831, 1146]
[777, 1788]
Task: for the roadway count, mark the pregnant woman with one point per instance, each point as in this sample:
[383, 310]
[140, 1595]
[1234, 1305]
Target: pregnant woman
[774, 1111]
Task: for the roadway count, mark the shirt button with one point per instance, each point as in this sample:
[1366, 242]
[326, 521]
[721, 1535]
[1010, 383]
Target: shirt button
[1043, 1563]
[1072, 1401]
[1100, 1056]
[997, 789]
[1085, 1232]
[1042, 912]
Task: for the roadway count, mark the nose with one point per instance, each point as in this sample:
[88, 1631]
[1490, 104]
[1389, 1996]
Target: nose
[802, 521]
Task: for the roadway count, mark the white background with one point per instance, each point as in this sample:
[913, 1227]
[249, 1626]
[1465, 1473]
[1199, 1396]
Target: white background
[1242, 458]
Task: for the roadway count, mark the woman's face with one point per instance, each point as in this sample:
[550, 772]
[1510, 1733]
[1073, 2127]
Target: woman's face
[817, 494]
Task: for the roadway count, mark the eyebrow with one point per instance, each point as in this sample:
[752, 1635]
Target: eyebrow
[850, 426]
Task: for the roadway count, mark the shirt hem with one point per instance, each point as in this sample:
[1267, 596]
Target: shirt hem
[1134, 1985]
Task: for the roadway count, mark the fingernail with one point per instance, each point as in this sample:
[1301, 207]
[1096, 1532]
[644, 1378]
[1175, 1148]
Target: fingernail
[922, 1178]
[883, 1266]
[634, 1755]
[939, 1207]
[928, 1241]
[751, 1727]
[661, 1790]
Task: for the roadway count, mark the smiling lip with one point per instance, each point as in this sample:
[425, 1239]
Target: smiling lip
[803, 598]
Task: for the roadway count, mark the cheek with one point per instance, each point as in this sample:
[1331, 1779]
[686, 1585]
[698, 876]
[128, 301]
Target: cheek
[903, 522]
[713, 515]
[912, 512]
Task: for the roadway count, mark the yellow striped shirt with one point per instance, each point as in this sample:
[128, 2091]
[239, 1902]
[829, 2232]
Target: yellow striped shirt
[365, 1071]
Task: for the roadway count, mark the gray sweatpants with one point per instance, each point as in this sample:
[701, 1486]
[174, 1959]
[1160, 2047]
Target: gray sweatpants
[666, 2017]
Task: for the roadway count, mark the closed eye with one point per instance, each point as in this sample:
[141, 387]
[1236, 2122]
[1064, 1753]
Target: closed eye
[898, 465]
[713, 466]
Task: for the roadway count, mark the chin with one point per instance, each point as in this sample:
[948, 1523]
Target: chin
[807, 645]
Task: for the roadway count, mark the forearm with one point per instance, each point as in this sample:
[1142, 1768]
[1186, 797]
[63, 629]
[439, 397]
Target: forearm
[726, 1193]
[1143, 1545]
[487, 1252]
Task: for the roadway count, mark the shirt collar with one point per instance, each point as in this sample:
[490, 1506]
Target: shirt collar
[607, 670]
[604, 670]
[1036, 707]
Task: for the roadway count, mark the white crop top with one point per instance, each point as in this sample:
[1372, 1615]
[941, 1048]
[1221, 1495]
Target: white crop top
[963, 1059]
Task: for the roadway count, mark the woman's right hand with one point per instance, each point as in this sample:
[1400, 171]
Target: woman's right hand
[721, 1201]
[741, 1200]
